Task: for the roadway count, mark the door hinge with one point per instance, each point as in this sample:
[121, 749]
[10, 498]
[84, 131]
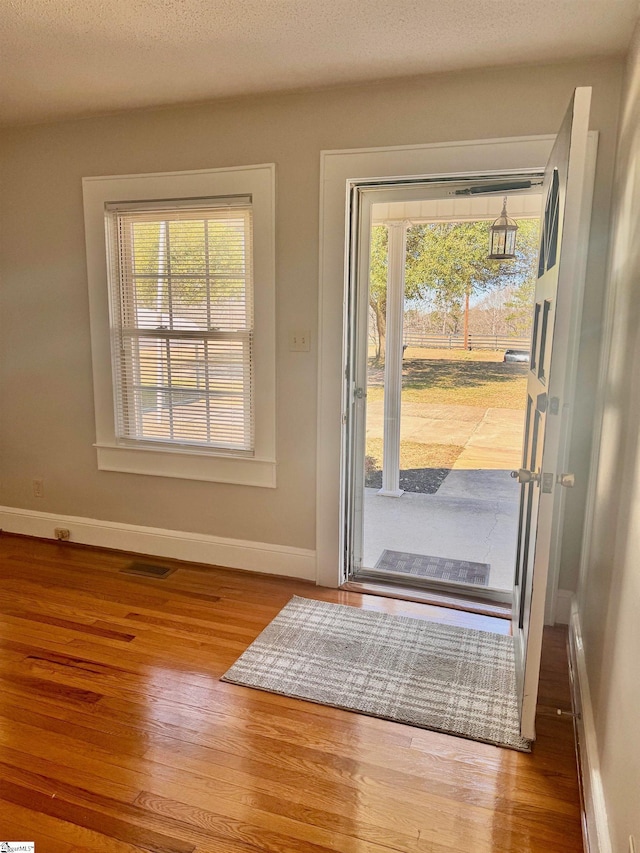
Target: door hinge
[561, 713]
[551, 711]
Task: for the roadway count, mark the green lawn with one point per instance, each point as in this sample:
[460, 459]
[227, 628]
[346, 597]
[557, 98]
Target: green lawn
[453, 377]
[456, 377]
[413, 454]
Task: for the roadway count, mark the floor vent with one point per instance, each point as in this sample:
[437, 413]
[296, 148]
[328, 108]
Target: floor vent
[147, 570]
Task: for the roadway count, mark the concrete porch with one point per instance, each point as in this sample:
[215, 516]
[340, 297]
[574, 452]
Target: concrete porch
[473, 516]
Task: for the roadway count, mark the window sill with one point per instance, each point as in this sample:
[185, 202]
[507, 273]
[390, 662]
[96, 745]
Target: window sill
[212, 468]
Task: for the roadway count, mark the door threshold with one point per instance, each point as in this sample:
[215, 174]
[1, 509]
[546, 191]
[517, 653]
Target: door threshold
[406, 593]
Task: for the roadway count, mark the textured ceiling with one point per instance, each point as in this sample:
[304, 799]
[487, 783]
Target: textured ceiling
[75, 57]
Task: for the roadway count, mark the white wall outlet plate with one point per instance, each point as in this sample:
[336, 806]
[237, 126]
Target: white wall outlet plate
[300, 341]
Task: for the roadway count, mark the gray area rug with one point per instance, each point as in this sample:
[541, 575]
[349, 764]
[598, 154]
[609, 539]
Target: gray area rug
[454, 680]
[439, 568]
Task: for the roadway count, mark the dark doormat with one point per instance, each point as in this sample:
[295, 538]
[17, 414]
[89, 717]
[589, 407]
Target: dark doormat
[438, 568]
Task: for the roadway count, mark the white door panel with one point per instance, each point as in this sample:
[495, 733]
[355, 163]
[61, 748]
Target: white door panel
[548, 383]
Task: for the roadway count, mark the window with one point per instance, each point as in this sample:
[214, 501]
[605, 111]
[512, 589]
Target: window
[186, 387]
[182, 322]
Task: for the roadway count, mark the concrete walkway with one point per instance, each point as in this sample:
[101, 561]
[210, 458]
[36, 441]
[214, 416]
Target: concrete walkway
[496, 442]
[491, 438]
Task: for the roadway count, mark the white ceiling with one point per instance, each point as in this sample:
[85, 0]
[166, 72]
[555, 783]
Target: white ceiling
[76, 57]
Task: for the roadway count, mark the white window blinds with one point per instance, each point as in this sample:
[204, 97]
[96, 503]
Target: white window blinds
[181, 297]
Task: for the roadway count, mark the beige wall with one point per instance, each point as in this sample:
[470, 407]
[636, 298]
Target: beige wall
[610, 584]
[47, 425]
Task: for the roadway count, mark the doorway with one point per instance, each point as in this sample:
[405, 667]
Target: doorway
[567, 188]
[439, 350]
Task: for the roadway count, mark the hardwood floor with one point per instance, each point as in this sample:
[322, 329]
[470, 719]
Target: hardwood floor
[116, 734]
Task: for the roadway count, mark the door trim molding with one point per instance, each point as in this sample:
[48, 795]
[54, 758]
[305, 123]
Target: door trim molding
[564, 600]
[595, 825]
[338, 171]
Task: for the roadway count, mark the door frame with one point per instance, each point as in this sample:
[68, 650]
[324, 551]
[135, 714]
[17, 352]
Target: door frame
[340, 171]
[363, 198]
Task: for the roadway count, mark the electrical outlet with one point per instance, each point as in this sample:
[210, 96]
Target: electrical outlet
[38, 488]
[300, 341]
[62, 533]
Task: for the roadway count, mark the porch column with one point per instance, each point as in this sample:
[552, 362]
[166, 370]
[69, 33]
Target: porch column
[397, 247]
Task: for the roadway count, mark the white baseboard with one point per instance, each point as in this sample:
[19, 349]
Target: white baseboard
[193, 547]
[564, 600]
[595, 823]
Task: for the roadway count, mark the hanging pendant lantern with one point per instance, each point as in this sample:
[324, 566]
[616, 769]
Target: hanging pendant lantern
[502, 237]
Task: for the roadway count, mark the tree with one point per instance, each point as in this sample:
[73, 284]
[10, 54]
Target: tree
[451, 259]
[518, 307]
[447, 262]
[378, 285]
[489, 313]
[189, 249]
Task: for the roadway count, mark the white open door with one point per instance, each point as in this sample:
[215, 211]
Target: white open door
[548, 385]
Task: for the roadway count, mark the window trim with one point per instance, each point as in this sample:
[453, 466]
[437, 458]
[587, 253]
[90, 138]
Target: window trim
[201, 463]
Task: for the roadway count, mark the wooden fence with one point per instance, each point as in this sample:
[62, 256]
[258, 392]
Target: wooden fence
[496, 342]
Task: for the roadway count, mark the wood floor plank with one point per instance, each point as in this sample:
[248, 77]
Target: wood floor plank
[82, 627]
[117, 736]
[131, 744]
[280, 834]
[41, 687]
[44, 826]
[89, 818]
[81, 777]
[437, 802]
[11, 828]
